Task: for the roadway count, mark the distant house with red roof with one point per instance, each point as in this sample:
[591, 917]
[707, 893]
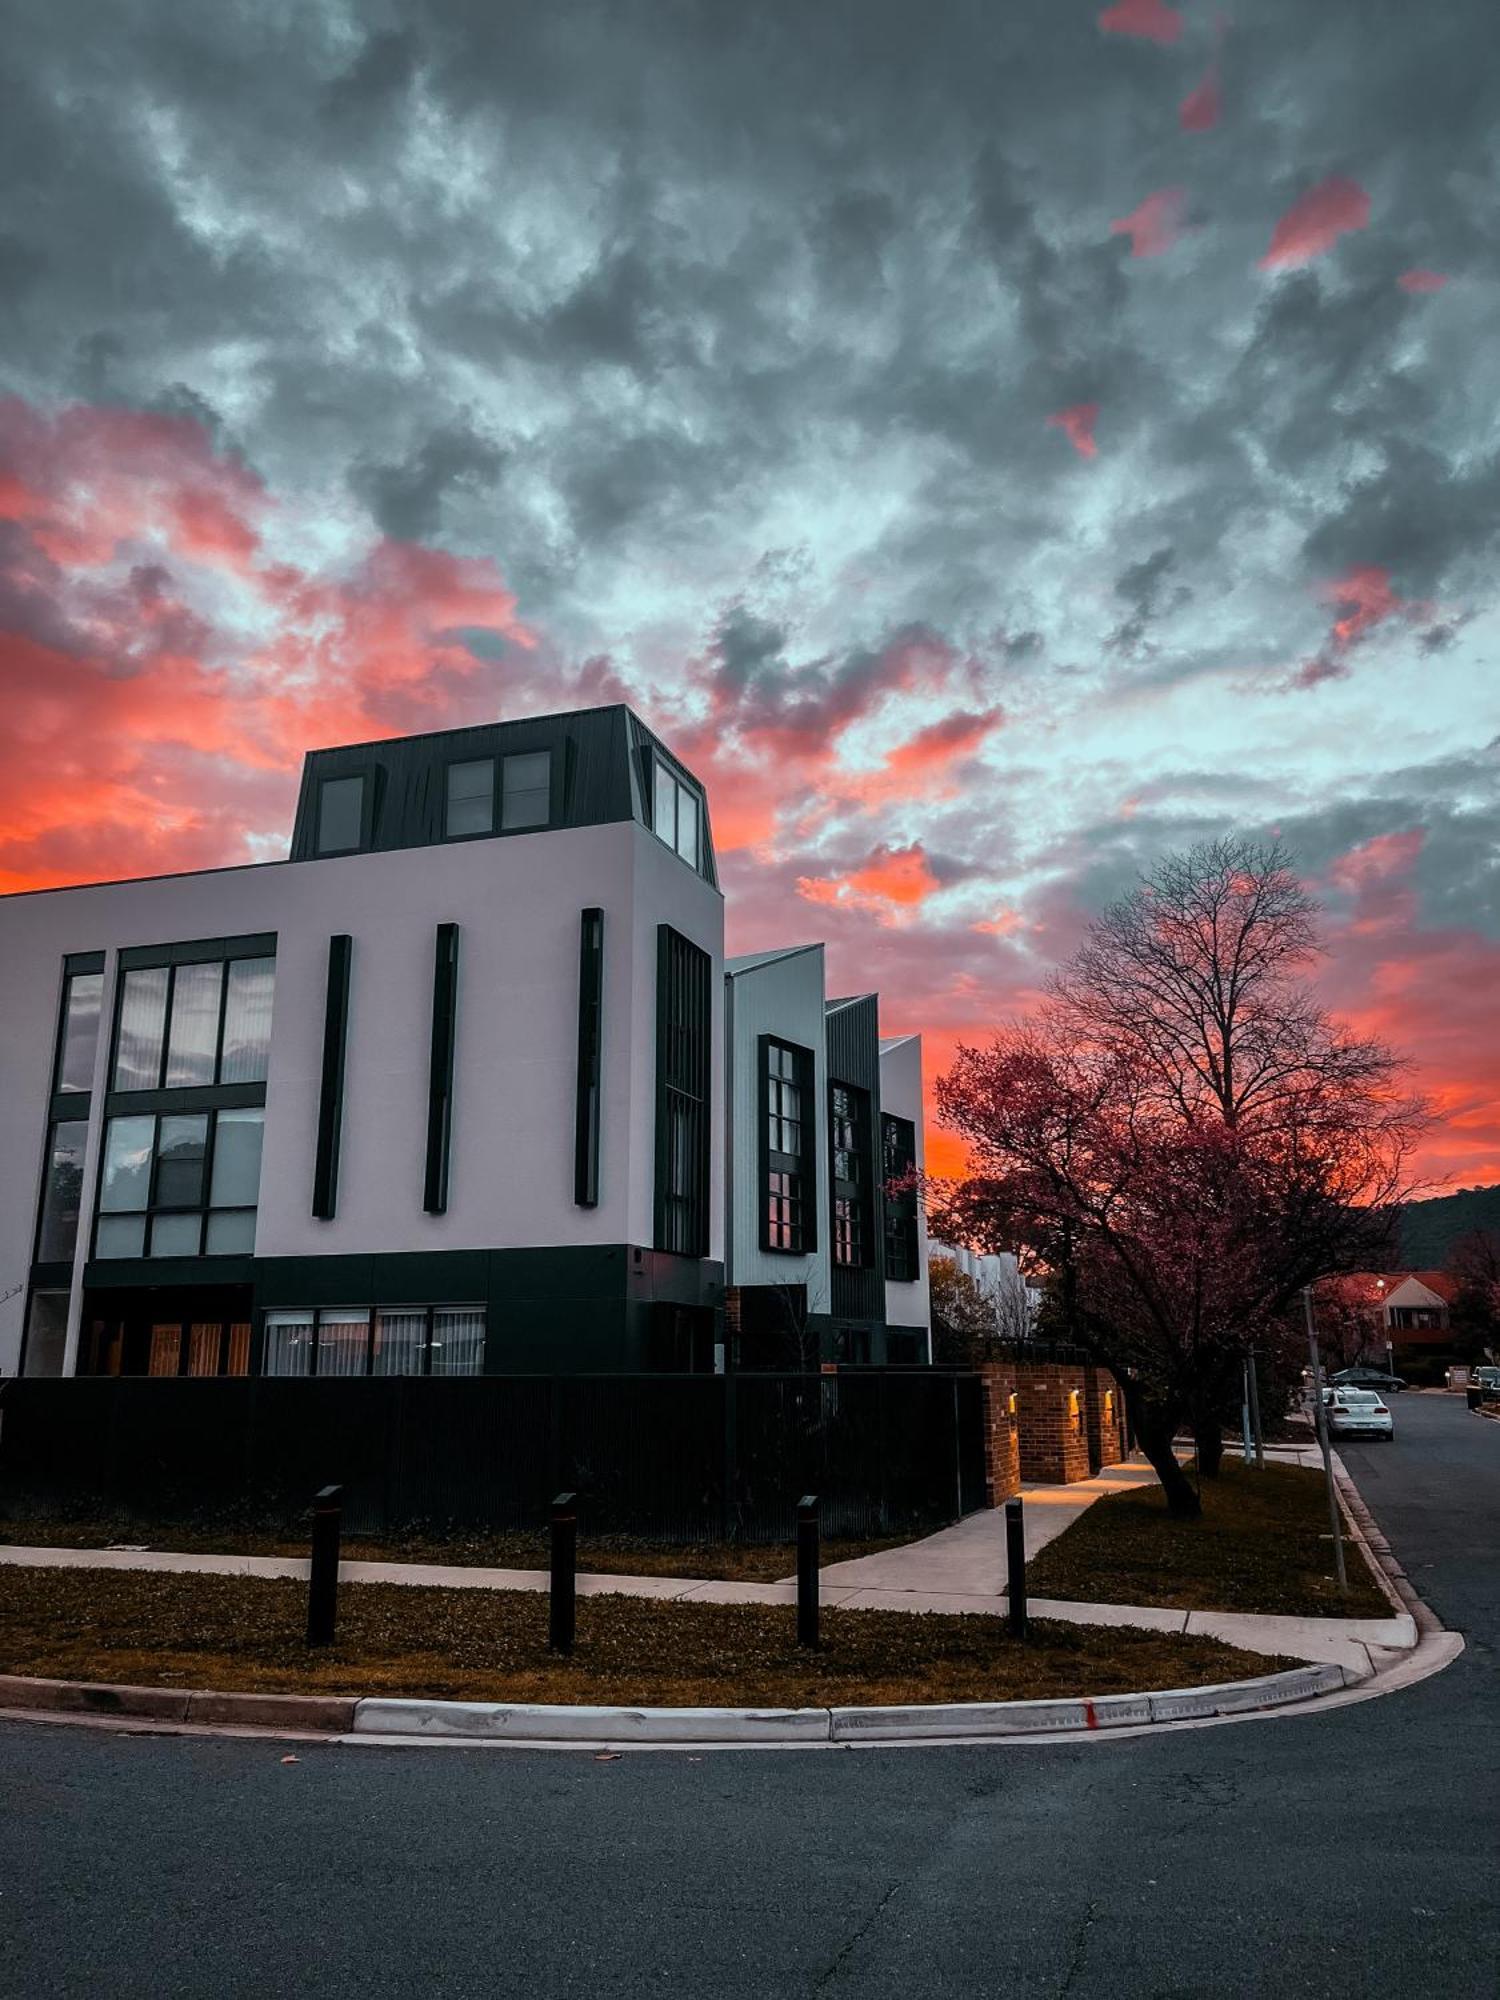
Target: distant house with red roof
[1400, 1309]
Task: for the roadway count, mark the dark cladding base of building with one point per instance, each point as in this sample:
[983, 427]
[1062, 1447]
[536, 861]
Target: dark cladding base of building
[577, 1310]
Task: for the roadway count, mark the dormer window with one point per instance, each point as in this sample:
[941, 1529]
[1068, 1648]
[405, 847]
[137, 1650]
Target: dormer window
[470, 804]
[526, 790]
[341, 812]
[675, 813]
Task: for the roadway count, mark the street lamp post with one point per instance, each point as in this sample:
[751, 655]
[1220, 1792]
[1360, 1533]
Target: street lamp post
[1320, 1418]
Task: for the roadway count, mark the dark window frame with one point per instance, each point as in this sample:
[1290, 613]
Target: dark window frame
[684, 786]
[451, 764]
[331, 1080]
[203, 1208]
[684, 1111]
[365, 781]
[588, 1105]
[898, 1157]
[155, 958]
[802, 1165]
[428, 1308]
[440, 1068]
[858, 1193]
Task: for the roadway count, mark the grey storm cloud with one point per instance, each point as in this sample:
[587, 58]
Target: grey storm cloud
[670, 306]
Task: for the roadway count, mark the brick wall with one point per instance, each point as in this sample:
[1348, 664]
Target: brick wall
[1002, 1446]
[1053, 1436]
[1103, 1418]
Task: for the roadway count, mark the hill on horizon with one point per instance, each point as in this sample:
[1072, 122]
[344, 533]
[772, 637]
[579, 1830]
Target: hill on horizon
[1429, 1229]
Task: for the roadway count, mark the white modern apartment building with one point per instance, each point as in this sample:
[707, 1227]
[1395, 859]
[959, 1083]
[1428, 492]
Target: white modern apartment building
[447, 1091]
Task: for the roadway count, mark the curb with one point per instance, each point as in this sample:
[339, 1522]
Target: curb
[1379, 1554]
[387, 1718]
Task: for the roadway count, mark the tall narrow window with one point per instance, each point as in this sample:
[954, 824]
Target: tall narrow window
[676, 813]
[526, 790]
[62, 1192]
[786, 1148]
[79, 1034]
[46, 1334]
[125, 1190]
[440, 1068]
[898, 1162]
[249, 986]
[341, 814]
[458, 1340]
[193, 1042]
[331, 1088]
[848, 1145]
[590, 1052]
[142, 1029]
[683, 1029]
[470, 804]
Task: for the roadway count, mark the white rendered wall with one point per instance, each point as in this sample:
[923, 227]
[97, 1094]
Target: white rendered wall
[517, 902]
[901, 1095]
[782, 997]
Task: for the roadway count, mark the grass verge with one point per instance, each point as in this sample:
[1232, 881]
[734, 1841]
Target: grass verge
[1262, 1545]
[605, 1555]
[230, 1633]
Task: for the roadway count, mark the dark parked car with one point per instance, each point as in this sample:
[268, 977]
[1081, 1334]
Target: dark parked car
[1366, 1378]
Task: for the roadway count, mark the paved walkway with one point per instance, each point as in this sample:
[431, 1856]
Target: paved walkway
[960, 1569]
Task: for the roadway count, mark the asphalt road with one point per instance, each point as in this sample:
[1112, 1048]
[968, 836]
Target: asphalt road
[1350, 1853]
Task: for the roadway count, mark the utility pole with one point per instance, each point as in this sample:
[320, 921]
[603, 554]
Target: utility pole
[1320, 1418]
[1255, 1430]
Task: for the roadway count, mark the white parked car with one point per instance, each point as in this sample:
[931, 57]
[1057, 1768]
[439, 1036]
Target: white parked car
[1355, 1413]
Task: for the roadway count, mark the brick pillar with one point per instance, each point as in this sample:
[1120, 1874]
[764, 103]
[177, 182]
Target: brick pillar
[1104, 1416]
[1002, 1453]
[1053, 1441]
[732, 1324]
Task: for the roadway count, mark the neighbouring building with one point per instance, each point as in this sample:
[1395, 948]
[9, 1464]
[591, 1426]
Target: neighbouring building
[463, 1085]
[1375, 1311]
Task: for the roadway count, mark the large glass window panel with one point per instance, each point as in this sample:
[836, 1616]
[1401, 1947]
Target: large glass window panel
[289, 1339]
[343, 1340]
[251, 986]
[230, 1233]
[341, 811]
[236, 1174]
[687, 826]
[176, 1235]
[471, 798]
[80, 1031]
[458, 1340]
[62, 1195]
[400, 1340]
[181, 1147]
[47, 1333]
[526, 789]
[143, 1020]
[664, 805]
[127, 1164]
[120, 1236]
[193, 1037]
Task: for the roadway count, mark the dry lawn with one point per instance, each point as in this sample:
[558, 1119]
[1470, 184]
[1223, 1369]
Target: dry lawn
[247, 1633]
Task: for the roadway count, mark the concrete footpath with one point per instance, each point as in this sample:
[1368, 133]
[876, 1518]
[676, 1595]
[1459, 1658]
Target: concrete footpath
[961, 1570]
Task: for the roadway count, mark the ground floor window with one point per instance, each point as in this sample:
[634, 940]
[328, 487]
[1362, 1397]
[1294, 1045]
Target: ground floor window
[46, 1333]
[165, 1332]
[375, 1340]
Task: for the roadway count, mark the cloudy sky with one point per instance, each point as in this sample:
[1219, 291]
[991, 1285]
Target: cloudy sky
[994, 443]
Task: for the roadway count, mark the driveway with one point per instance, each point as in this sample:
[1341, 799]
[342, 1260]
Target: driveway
[1350, 1853]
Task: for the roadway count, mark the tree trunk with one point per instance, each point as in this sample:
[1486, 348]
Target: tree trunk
[1153, 1433]
[1208, 1436]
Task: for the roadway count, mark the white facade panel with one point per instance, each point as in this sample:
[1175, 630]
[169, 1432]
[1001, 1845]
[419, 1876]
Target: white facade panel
[517, 902]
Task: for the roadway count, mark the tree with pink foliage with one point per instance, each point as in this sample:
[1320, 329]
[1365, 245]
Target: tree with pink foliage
[1183, 1137]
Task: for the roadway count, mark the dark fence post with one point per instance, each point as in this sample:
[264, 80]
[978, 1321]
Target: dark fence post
[1015, 1565]
[323, 1576]
[563, 1602]
[807, 1570]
